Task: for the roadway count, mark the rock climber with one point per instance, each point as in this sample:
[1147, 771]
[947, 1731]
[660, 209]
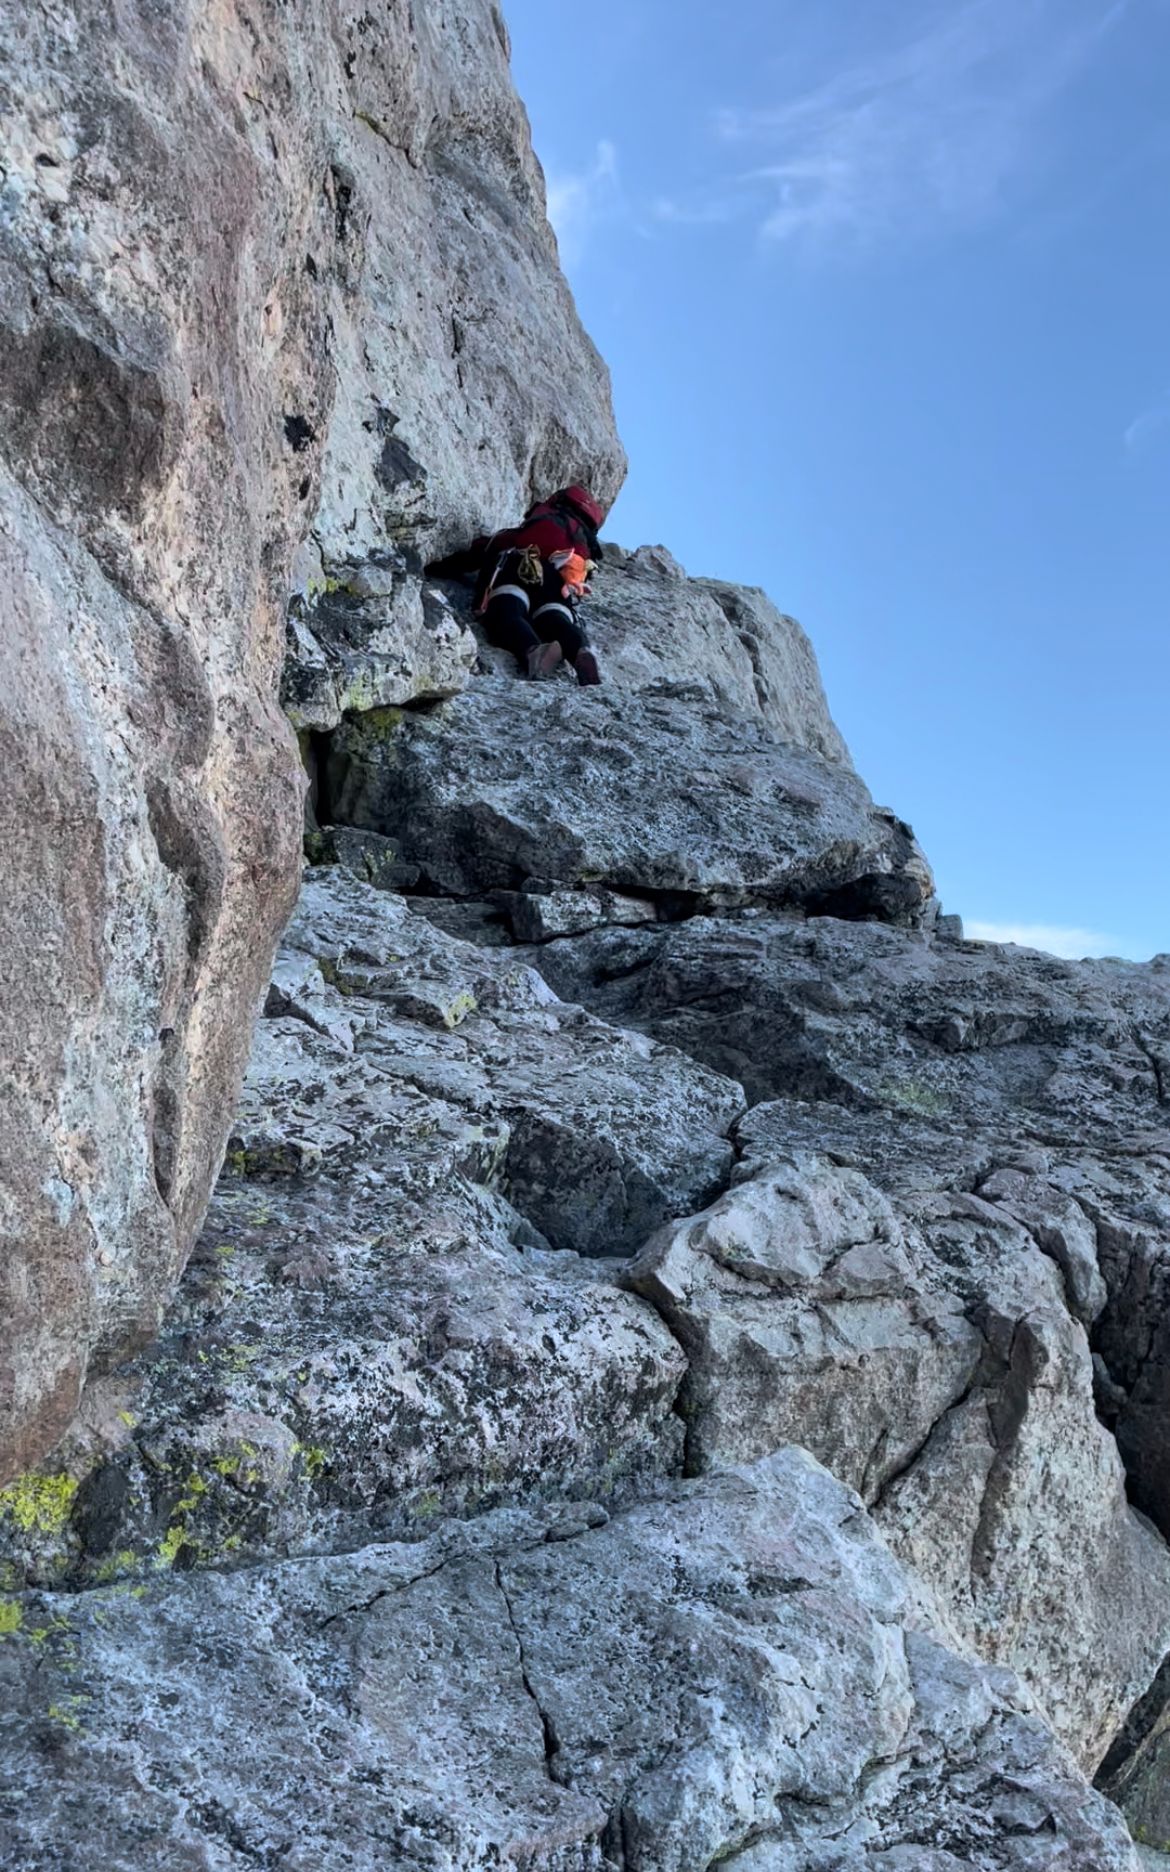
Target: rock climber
[531, 579]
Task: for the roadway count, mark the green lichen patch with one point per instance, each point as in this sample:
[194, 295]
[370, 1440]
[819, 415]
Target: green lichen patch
[913, 1095]
[241, 1467]
[39, 1504]
[115, 1565]
[177, 1538]
[459, 1009]
[172, 1543]
[379, 726]
[314, 1459]
[67, 1712]
[11, 1617]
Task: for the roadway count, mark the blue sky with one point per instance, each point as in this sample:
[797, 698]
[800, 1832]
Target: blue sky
[885, 289]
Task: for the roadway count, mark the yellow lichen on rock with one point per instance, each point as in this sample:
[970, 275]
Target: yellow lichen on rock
[39, 1504]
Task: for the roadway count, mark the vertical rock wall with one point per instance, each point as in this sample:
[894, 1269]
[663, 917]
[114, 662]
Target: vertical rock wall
[268, 276]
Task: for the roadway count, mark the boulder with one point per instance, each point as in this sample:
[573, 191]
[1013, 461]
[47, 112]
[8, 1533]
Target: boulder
[805, 1305]
[735, 1672]
[923, 1348]
[674, 800]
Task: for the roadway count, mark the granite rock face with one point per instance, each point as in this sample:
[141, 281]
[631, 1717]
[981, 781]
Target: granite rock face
[927, 1269]
[653, 794]
[621, 1114]
[218, 384]
[1008, 1108]
[736, 1671]
[375, 1329]
[922, 1347]
[987, 1037]
[944, 1310]
[653, 628]
[151, 784]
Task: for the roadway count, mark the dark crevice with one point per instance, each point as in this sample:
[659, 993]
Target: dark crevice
[317, 765]
[340, 188]
[1007, 1409]
[377, 128]
[548, 1733]
[977, 1380]
[364, 1606]
[880, 897]
[298, 432]
[1157, 1066]
[1146, 1719]
[1128, 1344]
[166, 1114]
[691, 1467]
[187, 845]
[568, 936]
[617, 1843]
[414, 705]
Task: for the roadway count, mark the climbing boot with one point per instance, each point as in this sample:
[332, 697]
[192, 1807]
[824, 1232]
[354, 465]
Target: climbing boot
[588, 674]
[543, 659]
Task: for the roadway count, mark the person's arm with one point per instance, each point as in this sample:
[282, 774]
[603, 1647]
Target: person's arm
[462, 564]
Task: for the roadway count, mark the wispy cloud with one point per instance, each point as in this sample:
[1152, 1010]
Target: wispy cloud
[579, 202]
[1072, 944]
[1147, 425]
[931, 130]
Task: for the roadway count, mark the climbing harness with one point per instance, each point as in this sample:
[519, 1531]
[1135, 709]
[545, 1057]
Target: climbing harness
[525, 566]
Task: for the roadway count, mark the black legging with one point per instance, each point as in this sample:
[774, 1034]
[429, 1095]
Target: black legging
[521, 616]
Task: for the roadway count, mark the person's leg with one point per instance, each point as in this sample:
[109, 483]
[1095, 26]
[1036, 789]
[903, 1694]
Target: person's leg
[509, 626]
[585, 663]
[555, 623]
[555, 620]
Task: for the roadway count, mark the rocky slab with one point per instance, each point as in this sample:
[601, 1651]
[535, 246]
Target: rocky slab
[736, 1671]
[389, 1318]
[651, 795]
[857, 1013]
